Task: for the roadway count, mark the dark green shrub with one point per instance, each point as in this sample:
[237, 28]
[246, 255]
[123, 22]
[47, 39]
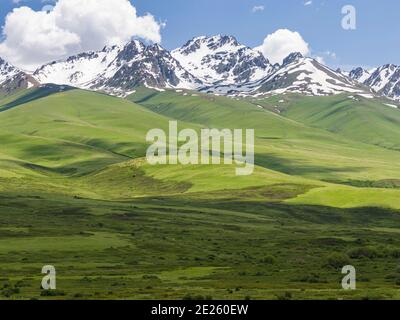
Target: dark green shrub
[363, 252]
[52, 293]
[338, 260]
[267, 260]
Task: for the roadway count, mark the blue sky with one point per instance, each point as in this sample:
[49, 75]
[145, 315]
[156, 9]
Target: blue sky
[376, 40]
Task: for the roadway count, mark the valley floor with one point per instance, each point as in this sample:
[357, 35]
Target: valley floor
[195, 248]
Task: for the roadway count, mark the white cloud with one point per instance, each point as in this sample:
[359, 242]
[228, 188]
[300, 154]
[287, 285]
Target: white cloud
[308, 3]
[258, 8]
[35, 37]
[330, 54]
[322, 56]
[278, 45]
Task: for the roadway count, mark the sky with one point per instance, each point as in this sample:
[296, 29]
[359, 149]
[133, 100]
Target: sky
[29, 38]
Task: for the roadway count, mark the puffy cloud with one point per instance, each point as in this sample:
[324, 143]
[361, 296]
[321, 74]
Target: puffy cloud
[35, 37]
[278, 45]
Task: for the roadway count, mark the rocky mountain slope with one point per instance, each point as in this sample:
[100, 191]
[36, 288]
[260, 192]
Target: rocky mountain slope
[297, 74]
[384, 80]
[221, 60]
[119, 70]
[13, 79]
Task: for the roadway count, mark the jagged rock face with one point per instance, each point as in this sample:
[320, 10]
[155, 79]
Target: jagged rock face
[359, 74]
[292, 58]
[7, 70]
[384, 80]
[222, 60]
[153, 67]
[12, 79]
[18, 82]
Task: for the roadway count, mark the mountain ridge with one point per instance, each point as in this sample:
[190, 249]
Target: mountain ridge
[216, 64]
[384, 80]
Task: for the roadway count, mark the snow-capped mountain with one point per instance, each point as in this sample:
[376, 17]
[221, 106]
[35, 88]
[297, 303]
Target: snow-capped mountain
[221, 60]
[119, 70]
[13, 79]
[297, 74]
[217, 64]
[306, 75]
[153, 67]
[384, 80]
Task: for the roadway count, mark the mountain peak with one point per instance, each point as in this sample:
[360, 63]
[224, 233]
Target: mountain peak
[224, 39]
[7, 70]
[209, 43]
[222, 59]
[156, 47]
[217, 37]
[293, 57]
[385, 80]
[13, 79]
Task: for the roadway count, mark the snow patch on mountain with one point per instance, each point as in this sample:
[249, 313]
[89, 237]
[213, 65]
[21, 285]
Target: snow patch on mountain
[384, 80]
[297, 74]
[222, 60]
[79, 70]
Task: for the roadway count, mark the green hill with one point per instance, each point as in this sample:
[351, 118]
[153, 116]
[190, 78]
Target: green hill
[283, 144]
[76, 192]
[373, 121]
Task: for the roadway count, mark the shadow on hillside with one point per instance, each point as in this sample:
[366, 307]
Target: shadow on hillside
[41, 92]
[293, 167]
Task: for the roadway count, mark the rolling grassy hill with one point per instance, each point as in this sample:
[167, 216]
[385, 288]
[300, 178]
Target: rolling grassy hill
[283, 144]
[373, 121]
[76, 192]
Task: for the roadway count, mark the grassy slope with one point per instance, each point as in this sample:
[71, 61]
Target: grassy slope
[285, 145]
[72, 195]
[82, 142]
[355, 117]
[76, 131]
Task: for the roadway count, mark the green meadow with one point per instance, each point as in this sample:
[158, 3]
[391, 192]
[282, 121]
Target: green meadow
[77, 193]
